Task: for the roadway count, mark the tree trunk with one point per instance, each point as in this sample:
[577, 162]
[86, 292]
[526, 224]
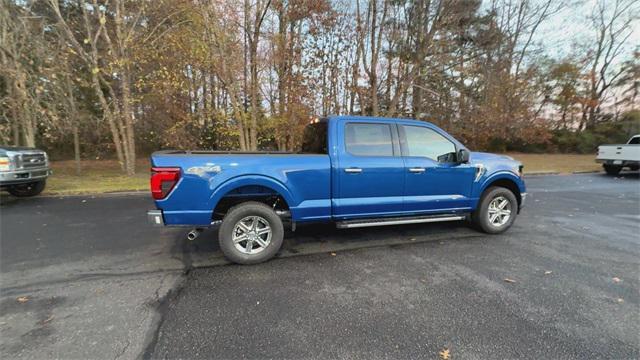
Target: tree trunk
[22, 103]
[253, 128]
[253, 40]
[73, 117]
[109, 116]
[128, 134]
[15, 127]
[76, 149]
[281, 62]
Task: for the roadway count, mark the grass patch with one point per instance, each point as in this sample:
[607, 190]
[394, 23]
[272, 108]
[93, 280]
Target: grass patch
[561, 163]
[102, 176]
[97, 176]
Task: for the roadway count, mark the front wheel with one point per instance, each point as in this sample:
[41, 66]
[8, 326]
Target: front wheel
[26, 190]
[612, 169]
[250, 233]
[496, 211]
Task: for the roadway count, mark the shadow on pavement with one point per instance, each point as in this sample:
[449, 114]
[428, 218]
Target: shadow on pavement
[324, 237]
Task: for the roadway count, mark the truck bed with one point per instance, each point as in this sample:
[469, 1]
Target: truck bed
[303, 179]
[222, 152]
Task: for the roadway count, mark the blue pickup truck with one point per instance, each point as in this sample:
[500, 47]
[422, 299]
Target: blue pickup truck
[353, 171]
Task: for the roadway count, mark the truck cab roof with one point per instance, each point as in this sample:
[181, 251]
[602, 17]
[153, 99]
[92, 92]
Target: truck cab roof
[372, 118]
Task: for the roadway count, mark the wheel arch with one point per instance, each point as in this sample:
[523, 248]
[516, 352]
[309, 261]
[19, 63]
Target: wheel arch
[505, 180]
[250, 188]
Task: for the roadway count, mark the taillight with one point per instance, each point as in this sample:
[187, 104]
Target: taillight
[163, 179]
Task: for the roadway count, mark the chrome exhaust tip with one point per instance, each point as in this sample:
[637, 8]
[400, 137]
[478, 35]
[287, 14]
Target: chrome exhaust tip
[193, 234]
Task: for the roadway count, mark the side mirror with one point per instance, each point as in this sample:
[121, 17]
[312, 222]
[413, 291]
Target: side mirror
[463, 156]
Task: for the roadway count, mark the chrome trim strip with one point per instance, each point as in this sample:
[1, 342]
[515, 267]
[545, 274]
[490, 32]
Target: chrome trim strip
[353, 170]
[342, 225]
[480, 171]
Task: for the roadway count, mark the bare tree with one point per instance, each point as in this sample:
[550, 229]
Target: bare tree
[612, 25]
[253, 31]
[17, 46]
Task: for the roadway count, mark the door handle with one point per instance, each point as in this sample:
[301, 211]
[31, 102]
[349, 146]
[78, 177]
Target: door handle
[417, 170]
[353, 170]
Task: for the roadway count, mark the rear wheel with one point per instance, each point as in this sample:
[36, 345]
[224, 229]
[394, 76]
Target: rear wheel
[612, 169]
[250, 233]
[26, 190]
[497, 210]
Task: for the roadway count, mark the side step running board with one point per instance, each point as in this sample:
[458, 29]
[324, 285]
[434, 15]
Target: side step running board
[397, 221]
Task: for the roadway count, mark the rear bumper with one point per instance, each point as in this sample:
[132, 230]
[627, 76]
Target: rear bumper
[155, 217]
[618, 162]
[17, 177]
[180, 218]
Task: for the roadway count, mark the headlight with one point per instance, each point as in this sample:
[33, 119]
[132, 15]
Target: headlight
[5, 163]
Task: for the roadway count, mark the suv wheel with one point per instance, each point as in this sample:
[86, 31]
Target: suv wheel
[496, 211]
[612, 169]
[26, 190]
[250, 233]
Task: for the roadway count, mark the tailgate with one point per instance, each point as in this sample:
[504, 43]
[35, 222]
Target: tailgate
[609, 152]
[619, 152]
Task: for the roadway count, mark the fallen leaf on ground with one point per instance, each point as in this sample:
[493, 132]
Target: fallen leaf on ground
[48, 319]
[509, 280]
[333, 254]
[444, 354]
[548, 272]
[615, 279]
[23, 299]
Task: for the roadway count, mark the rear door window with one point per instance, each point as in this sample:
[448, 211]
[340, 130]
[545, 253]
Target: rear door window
[314, 139]
[368, 139]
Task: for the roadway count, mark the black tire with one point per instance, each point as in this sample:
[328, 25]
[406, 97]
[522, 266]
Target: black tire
[26, 190]
[480, 216]
[244, 211]
[612, 169]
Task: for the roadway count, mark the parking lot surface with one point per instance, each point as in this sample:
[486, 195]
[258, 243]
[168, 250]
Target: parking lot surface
[98, 282]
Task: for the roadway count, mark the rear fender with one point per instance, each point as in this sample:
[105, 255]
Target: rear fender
[250, 180]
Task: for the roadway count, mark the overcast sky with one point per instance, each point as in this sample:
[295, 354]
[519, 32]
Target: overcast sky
[572, 25]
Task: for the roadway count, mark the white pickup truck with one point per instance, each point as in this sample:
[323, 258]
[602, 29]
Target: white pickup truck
[615, 157]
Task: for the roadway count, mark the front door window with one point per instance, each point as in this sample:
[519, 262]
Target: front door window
[424, 142]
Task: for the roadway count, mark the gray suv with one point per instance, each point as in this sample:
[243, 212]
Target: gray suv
[23, 171]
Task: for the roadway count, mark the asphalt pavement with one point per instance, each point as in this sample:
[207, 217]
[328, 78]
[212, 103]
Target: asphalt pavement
[85, 277]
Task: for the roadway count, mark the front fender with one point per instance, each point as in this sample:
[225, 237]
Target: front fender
[499, 175]
[250, 180]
